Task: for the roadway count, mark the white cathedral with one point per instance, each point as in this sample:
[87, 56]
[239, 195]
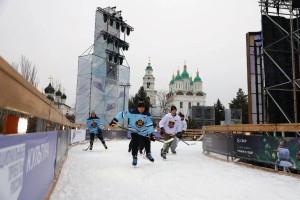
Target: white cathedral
[184, 91]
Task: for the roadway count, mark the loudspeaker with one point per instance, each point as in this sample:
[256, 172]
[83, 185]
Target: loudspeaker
[280, 55]
[296, 4]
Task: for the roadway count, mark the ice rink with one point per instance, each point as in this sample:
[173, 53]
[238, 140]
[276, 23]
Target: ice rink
[190, 174]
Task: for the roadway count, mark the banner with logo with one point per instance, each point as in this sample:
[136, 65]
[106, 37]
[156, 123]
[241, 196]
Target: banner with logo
[263, 148]
[27, 165]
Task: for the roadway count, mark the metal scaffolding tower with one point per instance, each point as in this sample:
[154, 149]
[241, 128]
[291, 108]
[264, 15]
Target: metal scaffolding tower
[101, 72]
[280, 50]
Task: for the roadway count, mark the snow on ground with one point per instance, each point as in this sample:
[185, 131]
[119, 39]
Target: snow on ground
[108, 174]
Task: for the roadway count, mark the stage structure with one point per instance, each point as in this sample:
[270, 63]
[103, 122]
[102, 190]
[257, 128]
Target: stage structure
[280, 51]
[103, 78]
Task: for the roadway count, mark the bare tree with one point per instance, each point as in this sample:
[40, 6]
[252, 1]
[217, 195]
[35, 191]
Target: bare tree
[27, 69]
[163, 101]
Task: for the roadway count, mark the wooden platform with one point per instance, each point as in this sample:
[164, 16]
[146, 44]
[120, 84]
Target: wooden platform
[192, 134]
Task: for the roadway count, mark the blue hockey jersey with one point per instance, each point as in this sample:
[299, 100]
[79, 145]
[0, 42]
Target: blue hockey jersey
[140, 123]
[93, 124]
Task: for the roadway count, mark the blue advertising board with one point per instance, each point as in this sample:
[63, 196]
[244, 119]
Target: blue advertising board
[27, 165]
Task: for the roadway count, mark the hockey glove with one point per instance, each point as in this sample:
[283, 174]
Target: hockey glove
[152, 137]
[179, 135]
[162, 130]
[113, 122]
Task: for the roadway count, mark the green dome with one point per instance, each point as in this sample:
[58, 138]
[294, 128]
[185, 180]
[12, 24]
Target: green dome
[172, 81]
[178, 77]
[63, 96]
[185, 74]
[49, 89]
[197, 78]
[191, 81]
[58, 93]
[149, 67]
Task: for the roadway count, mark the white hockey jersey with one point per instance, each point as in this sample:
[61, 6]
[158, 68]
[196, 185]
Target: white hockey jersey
[171, 124]
[184, 125]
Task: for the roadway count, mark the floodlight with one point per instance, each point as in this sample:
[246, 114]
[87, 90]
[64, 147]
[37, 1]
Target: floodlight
[123, 28]
[105, 17]
[128, 31]
[116, 58]
[121, 60]
[117, 24]
[108, 40]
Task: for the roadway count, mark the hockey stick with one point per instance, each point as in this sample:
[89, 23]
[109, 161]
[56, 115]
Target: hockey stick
[86, 148]
[200, 138]
[167, 141]
[187, 143]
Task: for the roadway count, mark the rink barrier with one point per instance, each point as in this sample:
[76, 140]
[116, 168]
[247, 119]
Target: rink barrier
[27, 165]
[30, 163]
[219, 143]
[63, 142]
[252, 147]
[111, 134]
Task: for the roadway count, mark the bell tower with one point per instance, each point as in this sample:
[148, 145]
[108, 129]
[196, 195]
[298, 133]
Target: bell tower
[148, 84]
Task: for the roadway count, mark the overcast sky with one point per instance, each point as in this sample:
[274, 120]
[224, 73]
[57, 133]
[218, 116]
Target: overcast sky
[208, 35]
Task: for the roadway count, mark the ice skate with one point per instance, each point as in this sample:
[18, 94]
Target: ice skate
[134, 160]
[150, 157]
[105, 146]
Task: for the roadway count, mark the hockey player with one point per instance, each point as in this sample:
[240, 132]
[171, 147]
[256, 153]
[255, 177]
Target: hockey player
[141, 146]
[170, 126]
[94, 124]
[141, 127]
[179, 136]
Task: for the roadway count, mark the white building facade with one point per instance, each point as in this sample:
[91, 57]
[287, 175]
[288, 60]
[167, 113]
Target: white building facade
[185, 92]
